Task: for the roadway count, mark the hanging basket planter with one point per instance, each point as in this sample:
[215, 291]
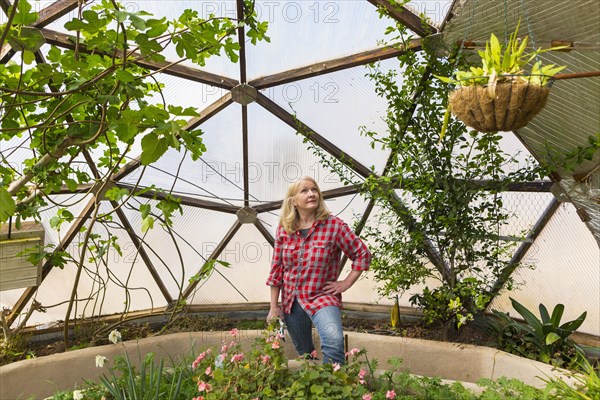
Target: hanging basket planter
[507, 106]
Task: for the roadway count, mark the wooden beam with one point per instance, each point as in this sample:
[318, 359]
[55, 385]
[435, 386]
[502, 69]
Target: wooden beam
[55, 11]
[313, 136]
[360, 226]
[588, 74]
[167, 67]
[264, 231]
[46, 16]
[205, 114]
[62, 246]
[448, 17]
[142, 251]
[185, 200]
[523, 248]
[405, 17]
[327, 194]
[241, 40]
[308, 71]
[215, 254]
[245, 157]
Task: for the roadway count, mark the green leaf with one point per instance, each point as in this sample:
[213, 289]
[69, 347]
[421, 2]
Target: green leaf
[124, 76]
[495, 49]
[557, 314]
[544, 313]
[145, 210]
[147, 223]
[71, 184]
[7, 205]
[29, 38]
[153, 148]
[28, 57]
[75, 25]
[23, 15]
[121, 15]
[116, 193]
[528, 316]
[55, 221]
[551, 338]
[572, 326]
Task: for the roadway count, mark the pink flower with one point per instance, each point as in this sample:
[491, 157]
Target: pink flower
[208, 371]
[237, 357]
[390, 394]
[313, 354]
[202, 386]
[353, 352]
[361, 376]
[336, 367]
[224, 348]
[198, 398]
[265, 359]
[234, 332]
[198, 360]
[367, 396]
[275, 345]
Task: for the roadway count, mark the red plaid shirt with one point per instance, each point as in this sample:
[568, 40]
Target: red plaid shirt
[300, 267]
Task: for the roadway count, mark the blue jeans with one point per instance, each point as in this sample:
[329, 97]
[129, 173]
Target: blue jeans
[328, 321]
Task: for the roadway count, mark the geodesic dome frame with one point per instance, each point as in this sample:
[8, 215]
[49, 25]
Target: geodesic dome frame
[248, 203]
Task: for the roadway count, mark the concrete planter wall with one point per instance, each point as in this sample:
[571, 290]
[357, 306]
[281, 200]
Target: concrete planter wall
[43, 376]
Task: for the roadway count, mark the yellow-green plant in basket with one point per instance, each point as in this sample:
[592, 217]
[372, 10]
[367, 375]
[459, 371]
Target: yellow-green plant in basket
[502, 64]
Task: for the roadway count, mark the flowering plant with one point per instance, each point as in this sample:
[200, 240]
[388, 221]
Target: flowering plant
[231, 372]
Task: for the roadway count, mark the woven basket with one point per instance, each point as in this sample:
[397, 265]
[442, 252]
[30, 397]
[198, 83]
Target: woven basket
[515, 104]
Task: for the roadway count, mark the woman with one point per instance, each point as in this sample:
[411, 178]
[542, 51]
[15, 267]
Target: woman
[305, 270]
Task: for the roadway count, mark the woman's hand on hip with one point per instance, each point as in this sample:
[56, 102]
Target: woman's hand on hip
[335, 287]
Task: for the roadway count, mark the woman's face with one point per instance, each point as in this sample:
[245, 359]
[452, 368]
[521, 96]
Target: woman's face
[307, 197]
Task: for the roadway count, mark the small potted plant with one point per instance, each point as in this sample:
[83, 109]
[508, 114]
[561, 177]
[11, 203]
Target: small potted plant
[500, 95]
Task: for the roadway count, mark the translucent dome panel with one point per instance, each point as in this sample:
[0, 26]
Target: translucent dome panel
[278, 157]
[113, 283]
[434, 10]
[566, 260]
[186, 93]
[249, 255]
[525, 209]
[306, 32]
[337, 106]
[216, 176]
[14, 153]
[180, 254]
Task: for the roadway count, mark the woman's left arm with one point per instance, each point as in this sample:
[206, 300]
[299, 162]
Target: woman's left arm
[357, 251]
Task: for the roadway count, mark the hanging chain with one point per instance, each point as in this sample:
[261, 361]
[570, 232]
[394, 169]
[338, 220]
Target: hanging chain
[462, 43]
[505, 21]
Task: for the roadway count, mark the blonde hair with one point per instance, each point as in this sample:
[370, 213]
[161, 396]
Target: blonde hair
[289, 215]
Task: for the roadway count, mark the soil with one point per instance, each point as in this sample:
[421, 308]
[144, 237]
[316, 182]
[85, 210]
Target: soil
[23, 347]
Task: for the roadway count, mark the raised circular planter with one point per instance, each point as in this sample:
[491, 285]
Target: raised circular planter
[41, 377]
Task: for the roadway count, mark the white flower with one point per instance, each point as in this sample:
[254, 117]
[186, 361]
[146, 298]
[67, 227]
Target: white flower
[77, 395]
[115, 336]
[100, 360]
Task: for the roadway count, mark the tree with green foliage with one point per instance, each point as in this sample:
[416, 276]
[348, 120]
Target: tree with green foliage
[98, 96]
[440, 198]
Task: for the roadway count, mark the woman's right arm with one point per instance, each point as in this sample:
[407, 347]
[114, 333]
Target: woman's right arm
[275, 280]
[275, 311]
